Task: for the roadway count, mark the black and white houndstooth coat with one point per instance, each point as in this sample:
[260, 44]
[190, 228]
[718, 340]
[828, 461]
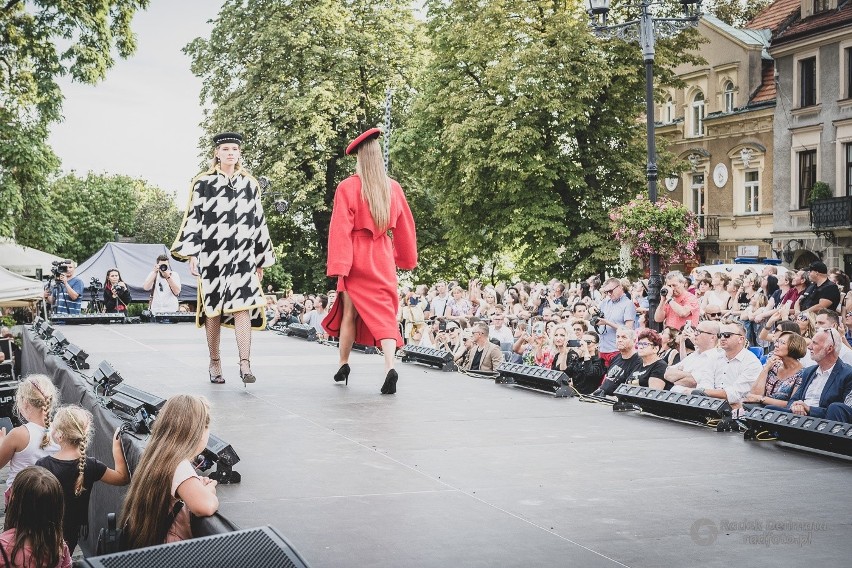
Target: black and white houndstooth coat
[225, 228]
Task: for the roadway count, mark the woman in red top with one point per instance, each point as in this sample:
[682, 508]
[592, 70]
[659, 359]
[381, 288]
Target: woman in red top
[364, 258]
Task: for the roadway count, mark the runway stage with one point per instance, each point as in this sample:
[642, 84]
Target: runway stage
[455, 471]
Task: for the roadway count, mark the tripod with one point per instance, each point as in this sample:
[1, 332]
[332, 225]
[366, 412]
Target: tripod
[96, 304]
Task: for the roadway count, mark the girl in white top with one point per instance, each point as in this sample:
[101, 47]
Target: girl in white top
[35, 400]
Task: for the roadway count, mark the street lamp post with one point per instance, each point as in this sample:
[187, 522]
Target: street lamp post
[645, 28]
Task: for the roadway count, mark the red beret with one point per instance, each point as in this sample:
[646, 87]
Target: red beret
[372, 133]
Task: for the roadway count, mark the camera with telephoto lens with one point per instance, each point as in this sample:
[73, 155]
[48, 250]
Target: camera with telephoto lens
[595, 317]
[297, 309]
[163, 267]
[60, 267]
[664, 292]
[95, 285]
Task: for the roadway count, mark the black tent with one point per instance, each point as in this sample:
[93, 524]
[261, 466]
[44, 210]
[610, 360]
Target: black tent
[135, 263]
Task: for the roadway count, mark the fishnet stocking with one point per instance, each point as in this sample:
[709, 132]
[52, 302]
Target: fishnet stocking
[213, 327]
[242, 329]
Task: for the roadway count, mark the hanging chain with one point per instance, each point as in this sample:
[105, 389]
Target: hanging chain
[388, 97]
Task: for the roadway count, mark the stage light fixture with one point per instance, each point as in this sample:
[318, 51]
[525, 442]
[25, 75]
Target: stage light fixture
[8, 389]
[36, 327]
[302, 330]
[59, 342]
[131, 411]
[46, 331]
[220, 452]
[152, 402]
[668, 404]
[535, 378]
[428, 356]
[75, 357]
[106, 378]
[806, 431]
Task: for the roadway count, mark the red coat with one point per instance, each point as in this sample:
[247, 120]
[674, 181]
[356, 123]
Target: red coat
[366, 261]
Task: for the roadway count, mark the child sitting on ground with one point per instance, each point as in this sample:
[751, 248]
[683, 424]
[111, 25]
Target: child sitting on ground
[23, 446]
[77, 472]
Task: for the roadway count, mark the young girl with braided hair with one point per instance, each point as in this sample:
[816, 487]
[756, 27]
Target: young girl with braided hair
[35, 400]
[77, 472]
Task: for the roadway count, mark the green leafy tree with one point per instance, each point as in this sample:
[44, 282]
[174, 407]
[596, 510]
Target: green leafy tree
[526, 132]
[91, 210]
[157, 218]
[301, 78]
[31, 61]
[736, 13]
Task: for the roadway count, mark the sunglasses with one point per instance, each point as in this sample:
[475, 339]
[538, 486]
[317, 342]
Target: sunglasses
[706, 332]
[848, 314]
[802, 317]
[728, 334]
[644, 344]
[830, 334]
[713, 314]
[589, 341]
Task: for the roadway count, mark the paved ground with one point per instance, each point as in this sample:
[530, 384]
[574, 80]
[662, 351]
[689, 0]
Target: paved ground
[460, 471]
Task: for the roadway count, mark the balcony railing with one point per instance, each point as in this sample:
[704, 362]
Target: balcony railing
[834, 212]
[708, 227]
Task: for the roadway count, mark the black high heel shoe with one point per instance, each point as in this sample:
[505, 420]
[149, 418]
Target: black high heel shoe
[390, 382]
[246, 377]
[216, 379]
[342, 374]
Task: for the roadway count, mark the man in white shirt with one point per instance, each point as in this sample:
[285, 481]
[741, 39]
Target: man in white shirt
[735, 370]
[695, 370]
[498, 328]
[165, 285]
[439, 303]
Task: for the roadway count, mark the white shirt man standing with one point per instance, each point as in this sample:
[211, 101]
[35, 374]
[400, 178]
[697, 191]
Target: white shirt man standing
[165, 285]
[439, 302]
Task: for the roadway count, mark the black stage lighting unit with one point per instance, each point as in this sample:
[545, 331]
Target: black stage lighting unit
[536, 378]
[75, 357]
[106, 378]
[302, 330]
[220, 452]
[46, 331]
[60, 342]
[8, 389]
[668, 404]
[428, 356]
[37, 324]
[368, 349]
[152, 402]
[131, 411]
[808, 431]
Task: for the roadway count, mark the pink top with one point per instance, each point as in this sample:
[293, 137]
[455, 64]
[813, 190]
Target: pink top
[24, 557]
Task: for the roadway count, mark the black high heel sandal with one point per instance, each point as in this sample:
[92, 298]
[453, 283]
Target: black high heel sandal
[216, 379]
[246, 377]
[342, 374]
[389, 387]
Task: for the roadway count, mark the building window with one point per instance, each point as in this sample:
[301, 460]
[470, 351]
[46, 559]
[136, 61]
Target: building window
[729, 97]
[698, 115]
[807, 82]
[807, 176]
[847, 152]
[698, 197]
[669, 111]
[752, 191]
[820, 6]
[847, 75]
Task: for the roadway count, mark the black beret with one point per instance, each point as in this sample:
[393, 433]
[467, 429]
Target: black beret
[226, 137]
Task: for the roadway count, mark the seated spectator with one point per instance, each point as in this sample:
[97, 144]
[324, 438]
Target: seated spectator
[694, 370]
[165, 477]
[33, 526]
[735, 371]
[648, 347]
[639, 295]
[718, 294]
[840, 411]
[670, 352]
[561, 354]
[821, 293]
[827, 382]
[285, 313]
[580, 310]
[677, 305]
[270, 307]
[482, 355]
[587, 368]
[622, 365]
[534, 347]
[458, 306]
[782, 372]
[579, 327]
[314, 317]
[451, 340]
[498, 328]
[825, 319]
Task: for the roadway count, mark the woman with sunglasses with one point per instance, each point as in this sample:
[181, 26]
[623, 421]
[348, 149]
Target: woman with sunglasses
[648, 345]
[585, 367]
[807, 325]
[782, 373]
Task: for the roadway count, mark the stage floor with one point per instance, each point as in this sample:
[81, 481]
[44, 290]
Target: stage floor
[456, 471]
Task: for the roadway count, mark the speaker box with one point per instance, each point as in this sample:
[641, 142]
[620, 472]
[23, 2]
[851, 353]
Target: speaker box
[261, 547]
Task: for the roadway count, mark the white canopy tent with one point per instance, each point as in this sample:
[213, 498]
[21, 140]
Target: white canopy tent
[24, 260]
[17, 290]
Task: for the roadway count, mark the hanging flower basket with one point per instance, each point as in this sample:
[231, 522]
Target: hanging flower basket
[666, 227]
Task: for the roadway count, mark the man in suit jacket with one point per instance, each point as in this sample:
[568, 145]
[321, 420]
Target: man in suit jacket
[829, 381]
[482, 355]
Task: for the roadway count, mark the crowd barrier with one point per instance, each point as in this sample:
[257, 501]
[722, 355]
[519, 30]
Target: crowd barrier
[75, 389]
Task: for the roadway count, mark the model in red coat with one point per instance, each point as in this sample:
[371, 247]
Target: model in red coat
[364, 258]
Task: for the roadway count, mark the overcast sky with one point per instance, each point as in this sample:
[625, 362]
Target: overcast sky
[143, 120]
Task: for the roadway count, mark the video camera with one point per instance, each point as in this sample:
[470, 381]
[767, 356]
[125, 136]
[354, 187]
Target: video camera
[95, 285]
[60, 267]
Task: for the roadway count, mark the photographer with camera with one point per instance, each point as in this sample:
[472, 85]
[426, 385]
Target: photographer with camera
[65, 291]
[677, 305]
[165, 285]
[116, 294]
[615, 311]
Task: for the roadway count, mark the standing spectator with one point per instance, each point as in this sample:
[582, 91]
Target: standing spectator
[822, 292]
[439, 302]
[66, 294]
[718, 295]
[615, 311]
[458, 306]
[677, 306]
[165, 285]
[639, 295]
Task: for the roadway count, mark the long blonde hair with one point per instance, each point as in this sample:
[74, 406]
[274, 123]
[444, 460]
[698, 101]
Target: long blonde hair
[375, 185]
[74, 424]
[38, 391]
[175, 437]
